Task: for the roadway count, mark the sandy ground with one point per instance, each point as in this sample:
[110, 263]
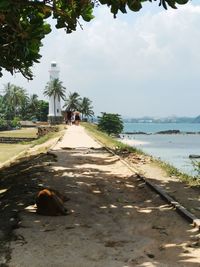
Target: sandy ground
[114, 220]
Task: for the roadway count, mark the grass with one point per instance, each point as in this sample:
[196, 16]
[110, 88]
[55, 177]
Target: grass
[172, 171]
[23, 132]
[107, 140]
[45, 138]
[48, 136]
[115, 145]
[8, 151]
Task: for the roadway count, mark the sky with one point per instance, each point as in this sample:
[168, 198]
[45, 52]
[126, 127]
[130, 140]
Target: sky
[140, 64]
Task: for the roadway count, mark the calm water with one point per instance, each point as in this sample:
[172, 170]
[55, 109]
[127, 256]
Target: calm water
[156, 127]
[173, 149]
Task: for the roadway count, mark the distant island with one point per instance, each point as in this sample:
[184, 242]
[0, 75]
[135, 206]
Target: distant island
[173, 119]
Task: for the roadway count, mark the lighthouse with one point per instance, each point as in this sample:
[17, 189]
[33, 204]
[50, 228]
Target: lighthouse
[54, 115]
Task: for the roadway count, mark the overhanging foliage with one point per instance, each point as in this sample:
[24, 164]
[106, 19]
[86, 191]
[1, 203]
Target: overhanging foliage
[23, 25]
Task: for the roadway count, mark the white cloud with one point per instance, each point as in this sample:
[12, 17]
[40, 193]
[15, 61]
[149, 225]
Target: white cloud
[146, 64]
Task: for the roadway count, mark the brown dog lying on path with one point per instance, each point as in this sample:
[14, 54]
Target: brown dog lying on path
[51, 202]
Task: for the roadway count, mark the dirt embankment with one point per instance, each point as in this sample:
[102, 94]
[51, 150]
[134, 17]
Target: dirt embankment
[180, 191]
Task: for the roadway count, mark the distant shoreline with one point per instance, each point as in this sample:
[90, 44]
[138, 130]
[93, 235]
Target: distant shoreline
[160, 132]
[163, 120]
[176, 149]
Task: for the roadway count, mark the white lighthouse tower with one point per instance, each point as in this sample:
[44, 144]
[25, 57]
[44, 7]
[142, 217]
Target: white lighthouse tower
[54, 115]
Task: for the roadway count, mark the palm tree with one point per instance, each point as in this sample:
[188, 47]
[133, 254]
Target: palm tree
[23, 103]
[15, 98]
[2, 106]
[9, 111]
[33, 103]
[86, 108]
[73, 101]
[56, 89]
[42, 111]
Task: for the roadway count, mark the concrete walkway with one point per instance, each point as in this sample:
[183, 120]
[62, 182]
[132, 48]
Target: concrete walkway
[114, 221]
[76, 137]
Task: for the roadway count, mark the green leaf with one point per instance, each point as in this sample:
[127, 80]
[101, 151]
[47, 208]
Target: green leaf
[4, 4]
[87, 14]
[182, 2]
[134, 5]
[47, 28]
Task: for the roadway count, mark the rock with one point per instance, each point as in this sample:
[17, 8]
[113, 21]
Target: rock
[43, 130]
[192, 156]
[169, 132]
[127, 133]
[150, 255]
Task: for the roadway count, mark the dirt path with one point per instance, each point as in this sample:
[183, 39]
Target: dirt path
[115, 220]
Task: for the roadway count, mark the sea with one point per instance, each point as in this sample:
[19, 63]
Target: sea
[170, 148]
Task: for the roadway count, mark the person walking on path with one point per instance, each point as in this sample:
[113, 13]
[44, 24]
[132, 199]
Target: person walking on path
[69, 117]
[77, 118]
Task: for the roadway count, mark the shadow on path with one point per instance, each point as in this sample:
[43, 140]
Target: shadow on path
[115, 221]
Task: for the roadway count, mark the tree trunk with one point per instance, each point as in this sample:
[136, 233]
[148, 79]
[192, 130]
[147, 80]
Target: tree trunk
[54, 106]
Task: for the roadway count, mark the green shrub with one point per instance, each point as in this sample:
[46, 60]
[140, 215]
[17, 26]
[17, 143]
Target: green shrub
[3, 124]
[110, 123]
[15, 123]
